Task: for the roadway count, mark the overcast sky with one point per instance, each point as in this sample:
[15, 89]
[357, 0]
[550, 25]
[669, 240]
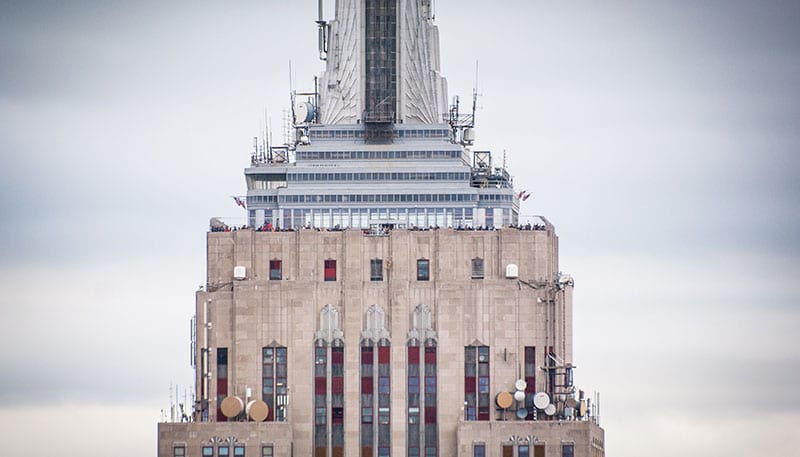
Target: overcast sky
[661, 138]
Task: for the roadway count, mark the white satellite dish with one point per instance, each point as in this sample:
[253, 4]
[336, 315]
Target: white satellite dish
[520, 384]
[550, 409]
[519, 395]
[303, 112]
[541, 400]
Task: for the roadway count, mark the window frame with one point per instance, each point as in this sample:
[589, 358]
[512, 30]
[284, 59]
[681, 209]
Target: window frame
[478, 268]
[273, 263]
[376, 270]
[423, 269]
[329, 270]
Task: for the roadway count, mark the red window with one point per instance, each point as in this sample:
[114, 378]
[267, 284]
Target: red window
[275, 270]
[330, 270]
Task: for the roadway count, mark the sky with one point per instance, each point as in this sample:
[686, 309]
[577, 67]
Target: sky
[661, 138]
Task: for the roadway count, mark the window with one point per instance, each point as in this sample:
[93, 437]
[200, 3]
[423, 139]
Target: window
[476, 383]
[376, 270]
[530, 380]
[567, 450]
[477, 268]
[479, 450]
[275, 270]
[524, 451]
[238, 451]
[266, 451]
[178, 451]
[223, 451]
[423, 270]
[273, 386]
[330, 270]
[222, 381]
[538, 450]
[208, 451]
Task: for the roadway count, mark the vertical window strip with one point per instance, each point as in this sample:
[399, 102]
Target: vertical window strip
[320, 401]
[337, 401]
[384, 399]
[476, 383]
[222, 381]
[530, 380]
[367, 399]
[413, 400]
[430, 398]
[274, 390]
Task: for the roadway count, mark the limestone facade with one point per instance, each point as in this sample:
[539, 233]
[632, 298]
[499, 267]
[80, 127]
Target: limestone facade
[505, 314]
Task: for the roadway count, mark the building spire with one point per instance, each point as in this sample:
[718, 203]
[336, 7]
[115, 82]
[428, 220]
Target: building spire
[382, 64]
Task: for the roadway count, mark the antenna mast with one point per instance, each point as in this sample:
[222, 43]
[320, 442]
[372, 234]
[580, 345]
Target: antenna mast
[322, 33]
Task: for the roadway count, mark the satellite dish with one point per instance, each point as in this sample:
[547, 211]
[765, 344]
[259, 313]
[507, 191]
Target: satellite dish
[231, 406]
[504, 400]
[522, 413]
[519, 395]
[541, 400]
[520, 384]
[550, 409]
[257, 410]
[303, 112]
[571, 402]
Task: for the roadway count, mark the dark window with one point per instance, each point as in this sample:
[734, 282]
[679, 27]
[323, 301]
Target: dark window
[567, 450]
[376, 270]
[330, 270]
[423, 270]
[479, 450]
[477, 268]
[530, 379]
[538, 450]
[274, 389]
[274, 270]
[179, 451]
[222, 381]
[476, 383]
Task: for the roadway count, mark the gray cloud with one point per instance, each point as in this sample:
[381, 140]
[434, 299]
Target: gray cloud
[660, 138]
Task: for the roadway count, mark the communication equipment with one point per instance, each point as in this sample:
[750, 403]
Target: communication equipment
[231, 406]
[303, 112]
[504, 400]
[541, 400]
[512, 271]
[582, 409]
[550, 409]
[239, 272]
[469, 135]
[520, 384]
[519, 395]
[257, 410]
[569, 412]
[571, 402]
[522, 413]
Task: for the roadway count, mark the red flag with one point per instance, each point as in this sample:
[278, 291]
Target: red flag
[525, 197]
[240, 202]
[520, 193]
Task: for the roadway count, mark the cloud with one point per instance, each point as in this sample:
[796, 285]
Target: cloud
[115, 332]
